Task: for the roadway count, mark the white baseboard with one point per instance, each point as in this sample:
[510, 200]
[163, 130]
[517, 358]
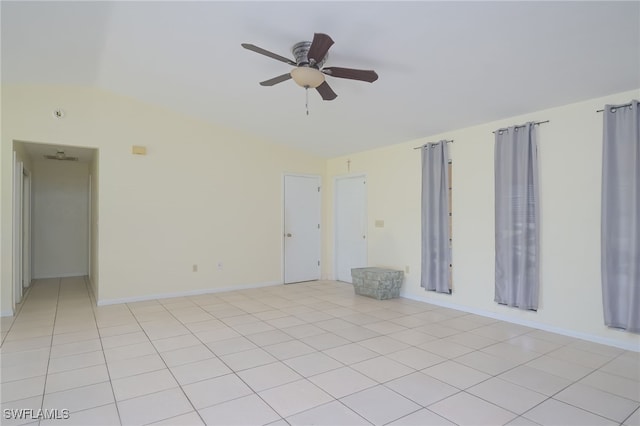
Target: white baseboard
[6, 313]
[105, 302]
[69, 275]
[630, 346]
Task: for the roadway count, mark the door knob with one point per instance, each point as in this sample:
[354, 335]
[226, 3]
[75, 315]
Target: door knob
[364, 237]
[289, 235]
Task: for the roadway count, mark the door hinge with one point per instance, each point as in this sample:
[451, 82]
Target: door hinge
[318, 189]
[318, 226]
[318, 263]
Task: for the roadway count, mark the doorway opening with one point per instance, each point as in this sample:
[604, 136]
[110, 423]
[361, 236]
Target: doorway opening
[55, 217]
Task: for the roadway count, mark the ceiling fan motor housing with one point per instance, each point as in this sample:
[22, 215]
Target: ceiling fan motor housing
[300, 51]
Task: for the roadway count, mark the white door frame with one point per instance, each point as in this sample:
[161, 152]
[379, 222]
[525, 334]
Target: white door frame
[18, 181]
[89, 228]
[335, 218]
[282, 224]
[27, 227]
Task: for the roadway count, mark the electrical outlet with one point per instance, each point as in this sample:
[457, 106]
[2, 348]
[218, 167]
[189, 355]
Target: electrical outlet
[195, 268]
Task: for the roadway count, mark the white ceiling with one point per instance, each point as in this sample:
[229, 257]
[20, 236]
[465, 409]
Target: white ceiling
[442, 65]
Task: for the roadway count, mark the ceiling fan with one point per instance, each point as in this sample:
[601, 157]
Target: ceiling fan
[308, 71]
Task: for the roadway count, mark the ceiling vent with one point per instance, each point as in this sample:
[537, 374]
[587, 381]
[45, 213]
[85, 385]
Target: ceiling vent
[60, 156]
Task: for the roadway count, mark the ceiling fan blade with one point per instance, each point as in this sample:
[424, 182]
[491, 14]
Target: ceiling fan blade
[352, 74]
[261, 51]
[319, 47]
[276, 80]
[326, 92]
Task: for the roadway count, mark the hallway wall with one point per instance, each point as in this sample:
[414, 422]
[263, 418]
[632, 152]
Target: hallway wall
[61, 202]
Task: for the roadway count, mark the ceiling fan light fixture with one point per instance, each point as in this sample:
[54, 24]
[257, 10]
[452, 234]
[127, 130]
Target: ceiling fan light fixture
[307, 77]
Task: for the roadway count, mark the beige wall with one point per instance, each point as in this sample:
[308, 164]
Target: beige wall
[201, 195]
[570, 159]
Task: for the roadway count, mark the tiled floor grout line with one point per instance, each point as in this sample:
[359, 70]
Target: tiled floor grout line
[236, 372]
[19, 306]
[95, 319]
[586, 409]
[497, 376]
[548, 397]
[519, 365]
[55, 318]
[629, 416]
[414, 412]
[568, 403]
[459, 390]
[465, 390]
[220, 359]
[293, 338]
[166, 366]
[339, 400]
[383, 384]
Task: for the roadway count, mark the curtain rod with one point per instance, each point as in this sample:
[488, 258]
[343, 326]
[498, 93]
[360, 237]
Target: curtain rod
[537, 123]
[616, 107]
[429, 143]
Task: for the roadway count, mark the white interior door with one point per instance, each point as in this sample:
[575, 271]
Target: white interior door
[301, 228]
[351, 225]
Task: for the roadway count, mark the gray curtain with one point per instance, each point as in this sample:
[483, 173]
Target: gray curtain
[621, 217]
[517, 217]
[436, 256]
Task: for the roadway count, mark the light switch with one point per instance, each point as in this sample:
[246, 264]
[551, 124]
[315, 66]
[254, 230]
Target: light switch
[139, 150]
[379, 223]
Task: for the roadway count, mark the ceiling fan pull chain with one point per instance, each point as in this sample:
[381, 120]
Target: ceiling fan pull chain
[306, 101]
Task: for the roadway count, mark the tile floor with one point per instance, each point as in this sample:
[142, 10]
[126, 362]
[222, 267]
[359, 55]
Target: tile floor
[309, 353]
